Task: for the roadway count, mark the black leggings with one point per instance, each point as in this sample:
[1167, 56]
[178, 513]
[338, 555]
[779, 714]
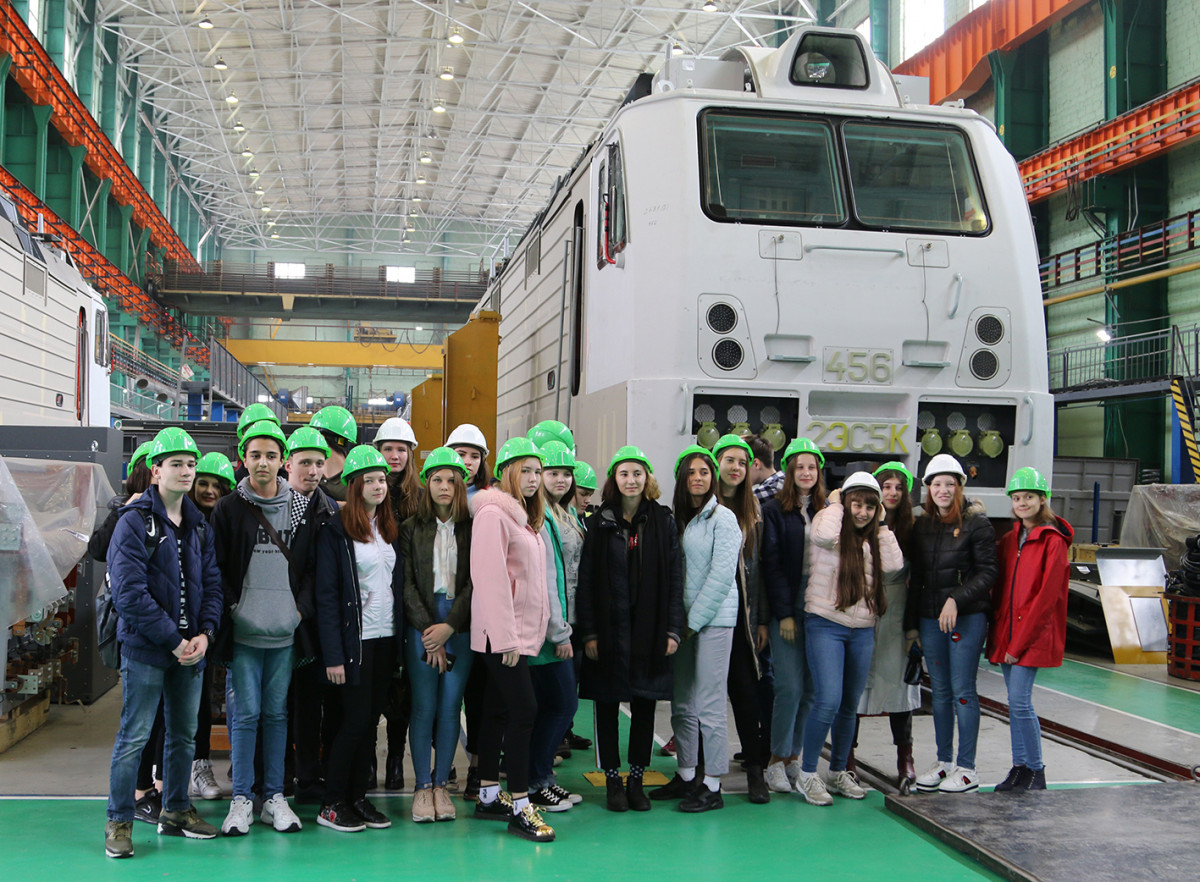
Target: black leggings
[641, 732]
[742, 685]
[353, 746]
[473, 702]
[901, 723]
[509, 709]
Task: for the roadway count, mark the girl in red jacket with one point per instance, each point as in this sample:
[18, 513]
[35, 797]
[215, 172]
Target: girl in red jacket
[1029, 622]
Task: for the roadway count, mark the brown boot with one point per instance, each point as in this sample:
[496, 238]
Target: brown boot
[905, 771]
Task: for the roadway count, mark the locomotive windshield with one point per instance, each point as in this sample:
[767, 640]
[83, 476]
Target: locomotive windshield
[786, 169]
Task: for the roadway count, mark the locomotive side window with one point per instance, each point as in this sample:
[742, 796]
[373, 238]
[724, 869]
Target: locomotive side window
[101, 354]
[913, 177]
[770, 169]
[612, 231]
[829, 60]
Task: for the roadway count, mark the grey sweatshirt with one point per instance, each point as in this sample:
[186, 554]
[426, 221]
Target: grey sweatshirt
[266, 617]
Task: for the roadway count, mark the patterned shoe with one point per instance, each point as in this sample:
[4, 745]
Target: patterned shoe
[959, 781]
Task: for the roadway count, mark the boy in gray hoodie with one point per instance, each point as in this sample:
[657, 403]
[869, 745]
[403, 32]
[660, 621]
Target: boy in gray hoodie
[253, 526]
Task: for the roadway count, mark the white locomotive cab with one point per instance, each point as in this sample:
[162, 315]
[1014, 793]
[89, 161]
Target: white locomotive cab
[808, 256]
[54, 345]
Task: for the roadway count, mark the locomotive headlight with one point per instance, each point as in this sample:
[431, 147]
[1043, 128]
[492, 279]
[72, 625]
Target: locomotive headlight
[931, 442]
[774, 435]
[961, 443]
[991, 444]
[740, 429]
[708, 434]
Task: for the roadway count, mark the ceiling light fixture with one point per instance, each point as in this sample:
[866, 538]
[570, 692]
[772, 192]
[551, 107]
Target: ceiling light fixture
[416, 199]
[238, 127]
[439, 107]
[676, 49]
[221, 65]
[412, 213]
[254, 173]
[420, 179]
[411, 228]
[206, 23]
[247, 153]
[456, 37]
[426, 157]
[266, 208]
[709, 6]
[447, 73]
[259, 190]
[274, 235]
[231, 98]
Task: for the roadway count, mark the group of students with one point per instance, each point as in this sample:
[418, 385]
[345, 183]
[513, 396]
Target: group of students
[315, 586]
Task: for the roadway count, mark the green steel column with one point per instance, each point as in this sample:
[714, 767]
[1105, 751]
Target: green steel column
[5, 66]
[87, 79]
[161, 184]
[107, 111]
[880, 15]
[146, 165]
[1135, 53]
[121, 247]
[41, 121]
[137, 271]
[1021, 81]
[55, 40]
[99, 224]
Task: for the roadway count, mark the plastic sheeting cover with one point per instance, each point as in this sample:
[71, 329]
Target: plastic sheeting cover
[1162, 516]
[48, 509]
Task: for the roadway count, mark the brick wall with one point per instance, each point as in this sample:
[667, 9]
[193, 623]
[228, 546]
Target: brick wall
[1076, 72]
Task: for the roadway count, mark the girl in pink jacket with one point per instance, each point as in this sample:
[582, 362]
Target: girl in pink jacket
[510, 609]
[850, 551]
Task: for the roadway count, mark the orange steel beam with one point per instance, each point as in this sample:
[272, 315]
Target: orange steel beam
[101, 271]
[956, 63]
[1140, 134]
[42, 81]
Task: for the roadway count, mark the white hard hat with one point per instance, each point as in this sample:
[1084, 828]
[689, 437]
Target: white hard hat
[861, 481]
[944, 464]
[469, 435]
[395, 429]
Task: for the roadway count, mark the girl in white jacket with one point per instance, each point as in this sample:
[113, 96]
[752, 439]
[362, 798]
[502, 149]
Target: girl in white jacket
[849, 549]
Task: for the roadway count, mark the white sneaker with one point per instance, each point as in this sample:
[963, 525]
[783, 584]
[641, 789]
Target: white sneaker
[202, 783]
[812, 788]
[844, 783]
[931, 781]
[240, 817]
[793, 773]
[777, 778]
[960, 780]
[279, 814]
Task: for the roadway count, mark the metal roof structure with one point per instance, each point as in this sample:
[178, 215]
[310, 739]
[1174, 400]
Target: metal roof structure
[349, 123]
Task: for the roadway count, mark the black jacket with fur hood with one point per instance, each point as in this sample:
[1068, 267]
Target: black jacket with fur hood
[951, 560]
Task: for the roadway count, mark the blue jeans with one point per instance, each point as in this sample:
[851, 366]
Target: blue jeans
[1023, 725]
[256, 689]
[840, 659]
[953, 663]
[142, 686]
[557, 701]
[436, 702]
[793, 690]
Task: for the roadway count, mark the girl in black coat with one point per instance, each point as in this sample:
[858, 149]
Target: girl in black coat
[360, 616]
[629, 611]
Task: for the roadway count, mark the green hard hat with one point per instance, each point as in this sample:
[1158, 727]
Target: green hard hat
[443, 458]
[516, 448]
[252, 415]
[363, 458]
[627, 453]
[336, 419]
[1028, 478]
[307, 438]
[264, 429]
[895, 466]
[585, 475]
[142, 452]
[727, 441]
[803, 445]
[171, 440]
[552, 430]
[692, 449]
[557, 455]
[217, 465]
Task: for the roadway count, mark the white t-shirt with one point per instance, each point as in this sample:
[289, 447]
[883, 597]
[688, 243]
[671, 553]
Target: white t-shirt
[376, 560]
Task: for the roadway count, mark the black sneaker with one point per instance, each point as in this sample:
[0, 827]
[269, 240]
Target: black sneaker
[615, 798]
[528, 824]
[1037, 780]
[149, 807]
[578, 742]
[372, 817]
[187, 824]
[118, 839]
[549, 801]
[1013, 779]
[499, 809]
[676, 788]
[471, 791]
[635, 796]
[342, 817]
[702, 800]
[564, 749]
[563, 793]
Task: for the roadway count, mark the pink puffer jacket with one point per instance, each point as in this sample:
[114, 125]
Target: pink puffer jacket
[509, 604]
[821, 594]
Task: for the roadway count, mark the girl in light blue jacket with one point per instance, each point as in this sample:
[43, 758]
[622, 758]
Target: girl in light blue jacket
[711, 540]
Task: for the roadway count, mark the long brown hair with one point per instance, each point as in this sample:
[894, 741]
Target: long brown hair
[459, 510]
[789, 496]
[685, 509]
[744, 505]
[555, 507]
[611, 494]
[138, 479]
[852, 571]
[954, 514]
[405, 487]
[899, 519]
[1045, 514]
[355, 520]
[510, 483]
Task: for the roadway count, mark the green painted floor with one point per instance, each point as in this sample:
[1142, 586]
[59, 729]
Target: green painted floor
[1162, 703]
